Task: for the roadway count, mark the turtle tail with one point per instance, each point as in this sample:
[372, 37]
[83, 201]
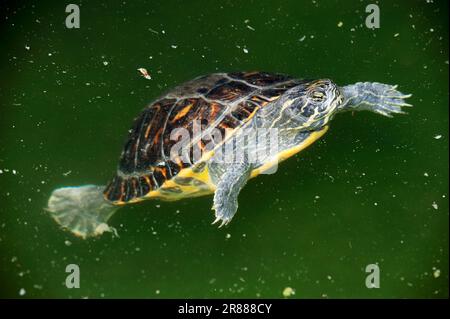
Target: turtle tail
[82, 210]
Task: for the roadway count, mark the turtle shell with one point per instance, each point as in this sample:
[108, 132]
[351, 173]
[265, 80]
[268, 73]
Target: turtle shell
[222, 100]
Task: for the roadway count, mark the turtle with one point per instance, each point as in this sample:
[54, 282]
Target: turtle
[211, 135]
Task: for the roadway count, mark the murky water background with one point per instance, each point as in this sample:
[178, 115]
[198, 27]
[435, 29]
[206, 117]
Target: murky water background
[373, 190]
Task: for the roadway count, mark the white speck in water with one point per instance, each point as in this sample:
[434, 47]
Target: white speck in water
[67, 173]
[302, 38]
[288, 292]
[173, 46]
[227, 236]
[157, 292]
[27, 47]
[425, 174]
[22, 292]
[245, 50]
[14, 172]
[105, 63]
[157, 206]
[145, 73]
[437, 137]
[437, 273]
[396, 35]
[68, 243]
[435, 206]
[340, 24]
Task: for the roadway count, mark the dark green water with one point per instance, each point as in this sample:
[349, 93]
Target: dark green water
[373, 190]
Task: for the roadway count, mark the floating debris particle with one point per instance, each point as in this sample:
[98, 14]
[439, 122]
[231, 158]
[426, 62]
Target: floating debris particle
[437, 137]
[425, 174]
[67, 173]
[250, 27]
[227, 236]
[396, 35]
[288, 292]
[302, 38]
[173, 46]
[27, 47]
[22, 292]
[340, 24]
[68, 243]
[436, 273]
[435, 206]
[105, 63]
[145, 73]
[245, 50]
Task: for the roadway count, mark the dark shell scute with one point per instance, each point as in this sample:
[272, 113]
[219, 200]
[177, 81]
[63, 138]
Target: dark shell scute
[260, 78]
[230, 91]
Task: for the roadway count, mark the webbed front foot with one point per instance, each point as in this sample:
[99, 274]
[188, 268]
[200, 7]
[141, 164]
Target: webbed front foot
[390, 101]
[380, 98]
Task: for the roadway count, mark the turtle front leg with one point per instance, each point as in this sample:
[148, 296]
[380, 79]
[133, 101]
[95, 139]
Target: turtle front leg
[231, 181]
[380, 98]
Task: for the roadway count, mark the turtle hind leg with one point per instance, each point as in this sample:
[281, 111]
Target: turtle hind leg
[230, 184]
[82, 210]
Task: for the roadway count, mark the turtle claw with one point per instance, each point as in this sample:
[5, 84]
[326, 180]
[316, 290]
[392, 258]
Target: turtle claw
[390, 101]
[215, 221]
[223, 214]
[223, 221]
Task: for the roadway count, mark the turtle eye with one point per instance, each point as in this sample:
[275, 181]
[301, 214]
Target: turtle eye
[318, 96]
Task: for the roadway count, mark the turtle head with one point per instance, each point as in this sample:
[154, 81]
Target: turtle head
[314, 103]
